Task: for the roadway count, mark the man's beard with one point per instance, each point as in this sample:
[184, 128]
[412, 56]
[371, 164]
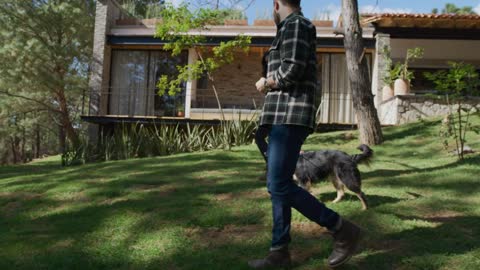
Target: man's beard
[276, 18]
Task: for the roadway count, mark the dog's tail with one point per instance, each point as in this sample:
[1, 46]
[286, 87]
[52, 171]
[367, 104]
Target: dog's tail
[365, 156]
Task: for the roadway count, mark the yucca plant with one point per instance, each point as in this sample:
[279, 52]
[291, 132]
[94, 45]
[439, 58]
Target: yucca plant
[138, 140]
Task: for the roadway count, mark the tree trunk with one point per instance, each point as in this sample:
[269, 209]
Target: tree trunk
[15, 145]
[14, 151]
[62, 140]
[24, 142]
[359, 78]
[68, 129]
[37, 141]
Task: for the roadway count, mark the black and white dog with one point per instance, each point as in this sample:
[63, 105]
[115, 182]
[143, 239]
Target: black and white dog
[314, 166]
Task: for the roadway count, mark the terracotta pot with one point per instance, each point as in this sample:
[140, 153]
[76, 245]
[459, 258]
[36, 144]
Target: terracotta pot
[402, 87]
[151, 21]
[322, 23]
[180, 114]
[236, 22]
[127, 21]
[264, 23]
[387, 92]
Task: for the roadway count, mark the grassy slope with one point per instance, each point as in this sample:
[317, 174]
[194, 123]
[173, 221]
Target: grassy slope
[209, 211]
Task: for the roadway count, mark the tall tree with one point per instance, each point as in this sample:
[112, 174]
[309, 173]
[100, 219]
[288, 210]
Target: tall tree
[22, 128]
[45, 51]
[453, 9]
[179, 20]
[359, 78]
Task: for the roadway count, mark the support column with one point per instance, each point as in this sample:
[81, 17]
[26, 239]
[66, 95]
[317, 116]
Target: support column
[380, 68]
[191, 91]
[100, 66]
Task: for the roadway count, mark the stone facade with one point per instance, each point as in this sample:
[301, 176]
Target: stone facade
[106, 13]
[381, 67]
[407, 109]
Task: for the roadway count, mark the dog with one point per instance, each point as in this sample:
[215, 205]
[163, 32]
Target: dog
[314, 166]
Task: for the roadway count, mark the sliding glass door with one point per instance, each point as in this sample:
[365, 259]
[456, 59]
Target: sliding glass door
[336, 104]
[134, 76]
[128, 91]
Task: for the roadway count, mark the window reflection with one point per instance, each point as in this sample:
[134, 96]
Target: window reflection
[133, 83]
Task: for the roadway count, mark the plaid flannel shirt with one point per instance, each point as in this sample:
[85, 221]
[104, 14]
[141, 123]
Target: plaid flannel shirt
[293, 64]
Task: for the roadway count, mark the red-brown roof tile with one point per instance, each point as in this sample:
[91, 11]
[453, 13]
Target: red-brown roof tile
[421, 16]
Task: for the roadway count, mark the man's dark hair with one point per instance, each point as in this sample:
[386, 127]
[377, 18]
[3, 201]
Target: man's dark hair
[292, 3]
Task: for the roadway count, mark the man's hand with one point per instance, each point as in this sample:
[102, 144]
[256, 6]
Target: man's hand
[271, 83]
[261, 85]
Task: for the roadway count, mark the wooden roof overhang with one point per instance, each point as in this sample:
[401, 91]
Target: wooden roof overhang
[426, 26]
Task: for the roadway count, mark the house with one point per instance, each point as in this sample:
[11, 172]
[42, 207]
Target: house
[445, 37]
[129, 61]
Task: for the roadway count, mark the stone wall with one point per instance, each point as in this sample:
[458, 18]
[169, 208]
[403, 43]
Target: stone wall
[407, 109]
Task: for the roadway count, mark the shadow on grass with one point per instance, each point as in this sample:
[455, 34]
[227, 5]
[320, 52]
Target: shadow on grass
[332, 139]
[159, 193]
[422, 247]
[387, 173]
[409, 130]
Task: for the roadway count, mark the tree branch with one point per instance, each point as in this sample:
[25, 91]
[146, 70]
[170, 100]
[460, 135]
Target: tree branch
[30, 99]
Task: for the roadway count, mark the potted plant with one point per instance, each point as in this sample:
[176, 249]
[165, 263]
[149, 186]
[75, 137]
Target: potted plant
[322, 19]
[390, 76]
[402, 84]
[127, 21]
[389, 80]
[180, 110]
[264, 19]
[235, 17]
[128, 14]
[151, 22]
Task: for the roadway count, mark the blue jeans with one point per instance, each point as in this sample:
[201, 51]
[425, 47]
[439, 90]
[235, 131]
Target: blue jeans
[260, 139]
[285, 142]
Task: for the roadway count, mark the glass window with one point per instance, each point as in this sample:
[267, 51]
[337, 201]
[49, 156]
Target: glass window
[128, 83]
[134, 78]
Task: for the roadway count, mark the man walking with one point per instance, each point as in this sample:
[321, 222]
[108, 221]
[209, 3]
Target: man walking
[289, 113]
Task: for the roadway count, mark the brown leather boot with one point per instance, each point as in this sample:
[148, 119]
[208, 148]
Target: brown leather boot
[346, 240]
[275, 259]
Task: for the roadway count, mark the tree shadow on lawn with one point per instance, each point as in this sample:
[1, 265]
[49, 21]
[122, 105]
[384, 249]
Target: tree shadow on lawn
[154, 212]
[451, 235]
[409, 130]
[386, 173]
[331, 140]
[165, 192]
[136, 171]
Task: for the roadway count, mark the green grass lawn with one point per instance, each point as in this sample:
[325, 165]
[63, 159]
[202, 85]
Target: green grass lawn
[209, 211]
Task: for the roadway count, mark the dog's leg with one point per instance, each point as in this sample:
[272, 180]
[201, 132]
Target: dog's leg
[363, 200]
[340, 190]
[305, 185]
[308, 185]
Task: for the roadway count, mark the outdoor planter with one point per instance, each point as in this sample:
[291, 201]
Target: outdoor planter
[264, 23]
[322, 23]
[387, 92]
[127, 21]
[402, 87]
[151, 21]
[180, 114]
[236, 22]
